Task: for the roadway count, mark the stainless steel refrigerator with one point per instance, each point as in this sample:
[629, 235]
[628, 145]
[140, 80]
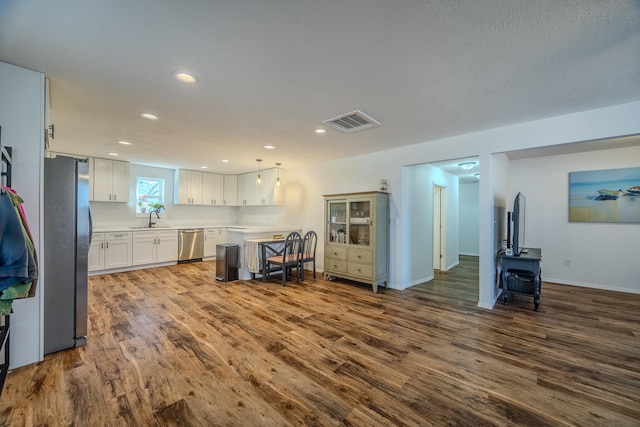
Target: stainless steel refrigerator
[67, 234]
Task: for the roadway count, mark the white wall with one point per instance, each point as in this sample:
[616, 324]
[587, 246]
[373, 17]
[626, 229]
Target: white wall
[494, 167]
[22, 121]
[469, 216]
[602, 255]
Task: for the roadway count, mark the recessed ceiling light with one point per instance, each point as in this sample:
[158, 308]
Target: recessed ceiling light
[149, 116]
[320, 130]
[204, 167]
[185, 77]
[124, 143]
[113, 154]
[269, 147]
[225, 161]
[467, 165]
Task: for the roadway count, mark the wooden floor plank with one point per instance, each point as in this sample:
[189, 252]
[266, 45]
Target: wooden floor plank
[172, 346]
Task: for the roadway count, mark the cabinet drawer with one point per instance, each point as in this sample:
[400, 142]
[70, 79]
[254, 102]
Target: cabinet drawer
[118, 236]
[361, 270]
[167, 234]
[97, 237]
[360, 255]
[336, 252]
[143, 235]
[335, 265]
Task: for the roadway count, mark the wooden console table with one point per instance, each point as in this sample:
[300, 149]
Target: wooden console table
[521, 274]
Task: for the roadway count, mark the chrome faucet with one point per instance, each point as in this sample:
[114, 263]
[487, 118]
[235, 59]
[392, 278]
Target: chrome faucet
[153, 211]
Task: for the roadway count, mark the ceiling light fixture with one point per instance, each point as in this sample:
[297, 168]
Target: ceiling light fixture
[320, 131]
[269, 147]
[225, 161]
[125, 143]
[185, 77]
[113, 154]
[204, 167]
[259, 180]
[149, 116]
[278, 180]
[467, 165]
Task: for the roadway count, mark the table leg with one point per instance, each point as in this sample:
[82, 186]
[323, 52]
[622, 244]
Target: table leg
[536, 295]
[263, 262]
[505, 293]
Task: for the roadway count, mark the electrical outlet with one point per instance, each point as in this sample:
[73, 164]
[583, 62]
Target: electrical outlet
[567, 262]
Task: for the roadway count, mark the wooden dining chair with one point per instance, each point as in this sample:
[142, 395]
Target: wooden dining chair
[289, 259]
[309, 244]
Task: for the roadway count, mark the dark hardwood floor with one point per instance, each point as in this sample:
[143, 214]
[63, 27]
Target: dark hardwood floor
[172, 347]
[461, 282]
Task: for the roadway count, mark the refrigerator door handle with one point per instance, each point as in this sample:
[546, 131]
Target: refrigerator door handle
[90, 225]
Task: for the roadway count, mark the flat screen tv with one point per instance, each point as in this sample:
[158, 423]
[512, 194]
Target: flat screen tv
[518, 218]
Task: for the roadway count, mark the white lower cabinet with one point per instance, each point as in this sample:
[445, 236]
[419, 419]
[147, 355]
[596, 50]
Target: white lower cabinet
[213, 237]
[96, 252]
[117, 253]
[154, 246]
[110, 251]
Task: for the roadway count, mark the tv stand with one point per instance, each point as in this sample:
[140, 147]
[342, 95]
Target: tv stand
[521, 274]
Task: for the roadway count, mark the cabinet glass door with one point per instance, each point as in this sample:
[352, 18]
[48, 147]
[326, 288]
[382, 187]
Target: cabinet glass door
[337, 229]
[360, 222]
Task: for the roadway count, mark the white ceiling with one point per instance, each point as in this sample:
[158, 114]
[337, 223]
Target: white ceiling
[270, 71]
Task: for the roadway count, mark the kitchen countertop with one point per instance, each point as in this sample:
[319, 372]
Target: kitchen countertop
[241, 229]
[121, 228]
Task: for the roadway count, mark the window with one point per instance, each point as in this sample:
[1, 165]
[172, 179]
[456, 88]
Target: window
[148, 191]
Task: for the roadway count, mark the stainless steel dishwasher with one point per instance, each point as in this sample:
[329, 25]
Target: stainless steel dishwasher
[190, 244]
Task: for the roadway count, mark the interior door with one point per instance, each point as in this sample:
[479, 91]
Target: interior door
[439, 228]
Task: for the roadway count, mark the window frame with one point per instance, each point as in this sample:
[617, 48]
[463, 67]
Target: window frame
[150, 197]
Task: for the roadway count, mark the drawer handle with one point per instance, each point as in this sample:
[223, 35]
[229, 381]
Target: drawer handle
[359, 256]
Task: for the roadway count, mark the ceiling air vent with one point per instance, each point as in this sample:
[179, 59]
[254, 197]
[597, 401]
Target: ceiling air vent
[352, 122]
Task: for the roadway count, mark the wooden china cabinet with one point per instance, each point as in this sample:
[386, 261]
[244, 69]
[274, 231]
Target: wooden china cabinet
[357, 237]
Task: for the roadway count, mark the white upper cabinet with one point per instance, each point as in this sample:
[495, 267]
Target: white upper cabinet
[110, 181]
[267, 193]
[212, 189]
[230, 183]
[247, 189]
[188, 187]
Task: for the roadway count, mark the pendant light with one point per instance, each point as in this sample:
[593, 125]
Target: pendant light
[259, 180]
[278, 181]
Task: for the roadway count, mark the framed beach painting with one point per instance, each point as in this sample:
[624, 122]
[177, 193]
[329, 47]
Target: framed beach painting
[609, 195]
